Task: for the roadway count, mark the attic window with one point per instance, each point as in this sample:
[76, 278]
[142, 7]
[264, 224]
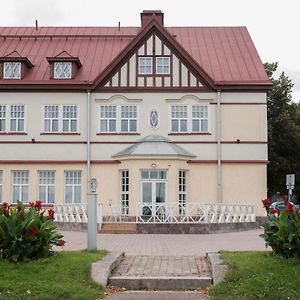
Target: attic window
[145, 65]
[63, 70]
[12, 70]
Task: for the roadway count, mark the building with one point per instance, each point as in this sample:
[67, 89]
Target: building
[159, 116]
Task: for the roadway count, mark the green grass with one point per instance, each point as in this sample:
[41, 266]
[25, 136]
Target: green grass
[63, 276]
[258, 275]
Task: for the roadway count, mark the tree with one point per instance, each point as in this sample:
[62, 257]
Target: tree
[283, 133]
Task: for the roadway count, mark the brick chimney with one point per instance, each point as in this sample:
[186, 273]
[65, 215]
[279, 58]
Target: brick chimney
[148, 15]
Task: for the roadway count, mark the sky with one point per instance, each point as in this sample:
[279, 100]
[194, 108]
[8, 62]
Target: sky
[273, 24]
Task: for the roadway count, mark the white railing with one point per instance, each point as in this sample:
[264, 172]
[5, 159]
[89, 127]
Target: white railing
[185, 213]
[75, 213]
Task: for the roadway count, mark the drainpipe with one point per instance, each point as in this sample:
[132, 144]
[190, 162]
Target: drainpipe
[219, 183]
[88, 142]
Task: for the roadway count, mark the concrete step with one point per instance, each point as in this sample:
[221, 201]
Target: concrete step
[119, 228]
[162, 283]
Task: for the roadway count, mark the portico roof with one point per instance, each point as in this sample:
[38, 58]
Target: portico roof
[154, 145]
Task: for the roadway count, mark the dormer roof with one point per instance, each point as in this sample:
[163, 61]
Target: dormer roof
[65, 56]
[15, 56]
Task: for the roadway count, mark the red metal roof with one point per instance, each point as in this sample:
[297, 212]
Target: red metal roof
[226, 54]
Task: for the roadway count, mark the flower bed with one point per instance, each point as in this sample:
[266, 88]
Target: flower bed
[27, 233]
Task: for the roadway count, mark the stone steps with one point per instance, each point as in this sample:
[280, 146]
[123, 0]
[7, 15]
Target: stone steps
[119, 228]
[162, 273]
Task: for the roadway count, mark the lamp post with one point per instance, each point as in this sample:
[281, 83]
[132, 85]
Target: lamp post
[92, 216]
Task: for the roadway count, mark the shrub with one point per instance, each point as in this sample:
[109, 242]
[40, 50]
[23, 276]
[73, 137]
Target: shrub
[27, 234]
[282, 230]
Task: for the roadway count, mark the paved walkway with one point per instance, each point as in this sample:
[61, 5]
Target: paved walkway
[169, 244]
[145, 266]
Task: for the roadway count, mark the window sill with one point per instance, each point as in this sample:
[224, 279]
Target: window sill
[189, 133]
[59, 133]
[118, 133]
[13, 133]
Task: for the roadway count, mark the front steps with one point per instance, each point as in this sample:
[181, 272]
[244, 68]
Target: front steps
[119, 228]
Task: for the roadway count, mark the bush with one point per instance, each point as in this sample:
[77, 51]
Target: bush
[282, 231]
[27, 234]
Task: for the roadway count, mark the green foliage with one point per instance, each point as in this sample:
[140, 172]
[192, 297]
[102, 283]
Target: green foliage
[283, 132]
[65, 275]
[258, 276]
[282, 232]
[27, 234]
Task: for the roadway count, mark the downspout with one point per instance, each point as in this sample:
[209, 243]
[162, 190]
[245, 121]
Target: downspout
[88, 142]
[219, 181]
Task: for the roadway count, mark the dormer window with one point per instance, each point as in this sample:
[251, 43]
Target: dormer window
[12, 70]
[63, 70]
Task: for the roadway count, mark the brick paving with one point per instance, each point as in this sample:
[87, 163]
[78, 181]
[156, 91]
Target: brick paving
[147, 266]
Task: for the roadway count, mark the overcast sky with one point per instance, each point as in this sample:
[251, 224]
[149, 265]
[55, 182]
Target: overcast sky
[273, 24]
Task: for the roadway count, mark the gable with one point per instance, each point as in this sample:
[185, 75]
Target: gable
[154, 42]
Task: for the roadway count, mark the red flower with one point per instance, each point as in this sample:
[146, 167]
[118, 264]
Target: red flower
[33, 230]
[38, 204]
[50, 214]
[266, 202]
[5, 208]
[275, 211]
[285, 199]
[61, 243]
[289, 207]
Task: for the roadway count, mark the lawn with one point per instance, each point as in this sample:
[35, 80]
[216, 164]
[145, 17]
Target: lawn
[258, 275]
[63, 276]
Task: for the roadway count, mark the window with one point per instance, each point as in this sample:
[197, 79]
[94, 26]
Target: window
[63, 70]
[108, 118]
[2, 118]
[69, 118]
[153, 174]
[17, 114]
[199, 118]
[72, 186]
[145, 65]
[51, 118]
[20, 186]
[12, 70]
[179, 118]
[125, 192]
[1, 184]
[182, 192]
[47, 186]
[162, 65]
[128, 118]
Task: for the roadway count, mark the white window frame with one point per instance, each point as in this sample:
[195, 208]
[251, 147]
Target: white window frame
[199, 119]
[1, 186]
[182, 191]
[145, 63]
[105, 116]
[124, 187]
[73, 185]
[179, 109]
[62, 65]
[129, 115]
[46, 179]
[23, 183]
[163, 62]
[70, 118]
[51, 118]
[3, 117]
[20, 116]
[12, 70]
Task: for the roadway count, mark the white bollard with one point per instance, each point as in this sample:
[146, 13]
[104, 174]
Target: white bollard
[92, 222]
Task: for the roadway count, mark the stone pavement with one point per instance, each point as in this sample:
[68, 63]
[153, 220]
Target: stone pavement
[143, 266]
[169, 244]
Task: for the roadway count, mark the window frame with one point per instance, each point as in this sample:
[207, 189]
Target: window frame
[62, 75]
[17, 118]
[1, 186]
[124, 191]
[179, 119]
[3, 117]
[200, 119]
[108, 119]
[129, 118]
[73, 186]
[182, 191]
[47, 186]
[69, 119]
[21, 185]
[13, 75]
[145, 66]
[163, 66]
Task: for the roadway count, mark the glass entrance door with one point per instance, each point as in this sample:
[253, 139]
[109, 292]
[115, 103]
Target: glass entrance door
[153, 192]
